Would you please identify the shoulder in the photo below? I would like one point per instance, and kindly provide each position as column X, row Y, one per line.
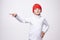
column 43, row 18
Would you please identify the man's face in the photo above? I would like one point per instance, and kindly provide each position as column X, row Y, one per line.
column 37, row 11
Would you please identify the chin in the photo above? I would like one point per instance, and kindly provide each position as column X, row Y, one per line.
column 37, row 14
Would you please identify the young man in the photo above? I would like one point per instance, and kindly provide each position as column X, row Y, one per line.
column 39, row 25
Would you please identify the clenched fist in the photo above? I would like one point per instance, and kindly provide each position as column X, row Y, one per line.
column 13, row 14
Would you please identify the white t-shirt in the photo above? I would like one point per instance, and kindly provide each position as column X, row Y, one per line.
column 38, row 24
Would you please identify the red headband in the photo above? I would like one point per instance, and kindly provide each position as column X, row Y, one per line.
column 36, row 6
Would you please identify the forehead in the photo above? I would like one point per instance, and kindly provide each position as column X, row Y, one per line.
column 36, row 9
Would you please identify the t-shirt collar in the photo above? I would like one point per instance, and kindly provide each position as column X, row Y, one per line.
column 38, row 16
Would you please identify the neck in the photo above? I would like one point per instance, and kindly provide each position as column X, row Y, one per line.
column 37, row 14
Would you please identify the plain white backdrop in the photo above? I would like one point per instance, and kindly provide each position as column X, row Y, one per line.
column 11, row 29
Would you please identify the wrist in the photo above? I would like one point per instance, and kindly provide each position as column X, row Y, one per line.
column 15, row 15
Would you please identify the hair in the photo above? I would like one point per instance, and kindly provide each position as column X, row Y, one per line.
column 36, row 6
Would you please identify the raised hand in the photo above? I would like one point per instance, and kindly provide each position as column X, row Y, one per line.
column 13, row 14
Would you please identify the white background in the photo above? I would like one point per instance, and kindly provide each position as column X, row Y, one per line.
column 11, row 29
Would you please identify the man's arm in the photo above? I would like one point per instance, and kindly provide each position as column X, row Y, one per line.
column 45, row 27
column 19, row 18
